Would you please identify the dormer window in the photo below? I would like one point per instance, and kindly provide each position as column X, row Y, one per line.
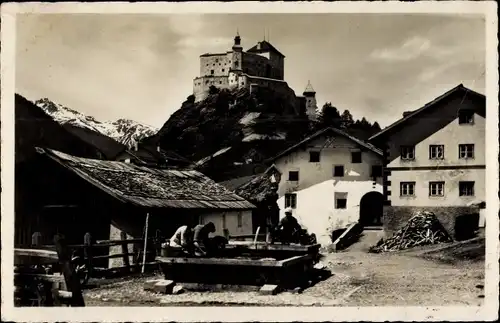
column 465, row 116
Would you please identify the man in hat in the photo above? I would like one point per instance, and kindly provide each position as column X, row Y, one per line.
column 288, row 226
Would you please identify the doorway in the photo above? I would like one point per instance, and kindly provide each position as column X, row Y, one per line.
column 371, row 208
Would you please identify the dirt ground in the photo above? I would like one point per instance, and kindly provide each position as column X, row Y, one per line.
column 359, row 279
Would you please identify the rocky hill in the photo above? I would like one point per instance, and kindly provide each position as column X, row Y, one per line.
column 124, row 131
column 234, row 128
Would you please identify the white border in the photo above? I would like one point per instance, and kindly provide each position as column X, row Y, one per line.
column 241, row 314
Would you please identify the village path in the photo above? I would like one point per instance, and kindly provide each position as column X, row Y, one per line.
column 402, row 280
column 359, row 279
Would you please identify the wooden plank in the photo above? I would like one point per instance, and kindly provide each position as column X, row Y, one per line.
column 72, row 280
column 294, row 260
column 220, row 261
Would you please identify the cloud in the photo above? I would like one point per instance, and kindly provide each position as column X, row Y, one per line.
column 411, row 49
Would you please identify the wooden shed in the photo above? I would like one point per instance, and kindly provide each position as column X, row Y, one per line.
column 60, row 193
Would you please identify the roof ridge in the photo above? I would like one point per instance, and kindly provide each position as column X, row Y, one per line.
column 426, row 105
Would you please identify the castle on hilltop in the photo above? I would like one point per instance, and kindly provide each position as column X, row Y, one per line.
column 260, row 66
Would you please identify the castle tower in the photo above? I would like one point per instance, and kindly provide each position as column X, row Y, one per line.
column 237, row 53
column 311, row 105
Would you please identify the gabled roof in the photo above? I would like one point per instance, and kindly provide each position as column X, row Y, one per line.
column 265, row 46
column 150, row 187
column 432, row 104
column 323, row 132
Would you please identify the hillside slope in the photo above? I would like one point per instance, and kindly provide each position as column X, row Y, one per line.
column 239, row 127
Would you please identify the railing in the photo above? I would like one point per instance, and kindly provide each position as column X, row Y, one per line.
column 94, row 252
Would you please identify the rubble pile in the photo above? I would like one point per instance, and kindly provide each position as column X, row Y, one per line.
column 422, row 229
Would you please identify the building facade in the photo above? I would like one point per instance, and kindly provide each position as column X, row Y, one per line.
column 260, row 66
column 435, row 156
column 330, row 180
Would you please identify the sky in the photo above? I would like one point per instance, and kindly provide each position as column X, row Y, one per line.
column 141, row 67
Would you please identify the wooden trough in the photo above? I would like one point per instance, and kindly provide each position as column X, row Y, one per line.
column 286, row 266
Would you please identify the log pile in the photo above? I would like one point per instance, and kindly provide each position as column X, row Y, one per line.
column 422, row 229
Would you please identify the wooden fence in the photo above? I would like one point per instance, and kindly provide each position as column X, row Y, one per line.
column 133, row 255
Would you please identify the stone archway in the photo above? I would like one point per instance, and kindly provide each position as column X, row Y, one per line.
column 371, row 208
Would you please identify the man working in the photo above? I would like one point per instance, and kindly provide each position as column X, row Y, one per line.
column 182, row 237
column 201, row 237
column 287, row 227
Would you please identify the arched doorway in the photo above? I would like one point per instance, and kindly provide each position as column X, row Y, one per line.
column 371, row 208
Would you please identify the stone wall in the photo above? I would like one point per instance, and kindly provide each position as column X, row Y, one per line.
column 397, row 216
column 215, row 64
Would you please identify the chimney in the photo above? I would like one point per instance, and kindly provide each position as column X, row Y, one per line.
column 407, row 113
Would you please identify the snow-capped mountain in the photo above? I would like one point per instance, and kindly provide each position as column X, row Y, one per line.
column 125, row 131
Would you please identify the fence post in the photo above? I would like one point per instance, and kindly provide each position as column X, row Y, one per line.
column 36, row 240
column 87, row 241
column 72, row 280
column 126, row 261
column 158, row 241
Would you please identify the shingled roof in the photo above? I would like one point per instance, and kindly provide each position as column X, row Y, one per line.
column 150, row 187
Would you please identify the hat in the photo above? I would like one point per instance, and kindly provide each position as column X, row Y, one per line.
column 288, row 210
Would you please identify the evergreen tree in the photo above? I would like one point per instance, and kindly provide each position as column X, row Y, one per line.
column 347, row 120
column 329, row 116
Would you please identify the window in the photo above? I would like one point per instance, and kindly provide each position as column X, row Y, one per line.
column 202, row 219
column 240, row 219
column 466, row 151
column 465, row 117
column 407, row 189
column 407, row 152
column 223, row 70
column 338, row 171
column 436, row 151
column 291, row 200
column 466, row 188
column 224, row 221
column 340, row 200
column 356, row 157
column 340, row 203
column 236, row 63
column 212, row 72
column 436, row 189
column 293, row 175
column 376, row 171
column 314, row 156
column 216, row 60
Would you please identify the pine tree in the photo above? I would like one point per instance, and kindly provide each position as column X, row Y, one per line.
column 329, row 116
column 347, row 120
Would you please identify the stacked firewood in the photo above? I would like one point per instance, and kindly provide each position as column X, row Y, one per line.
column 422, row 229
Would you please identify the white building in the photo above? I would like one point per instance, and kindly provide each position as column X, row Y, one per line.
column 331, row 179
